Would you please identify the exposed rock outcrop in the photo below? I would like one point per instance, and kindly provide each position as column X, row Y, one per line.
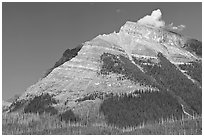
column 67, row 55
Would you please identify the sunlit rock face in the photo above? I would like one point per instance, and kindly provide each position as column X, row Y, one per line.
column 147, row 40
column 137, row 58
column 81, row 76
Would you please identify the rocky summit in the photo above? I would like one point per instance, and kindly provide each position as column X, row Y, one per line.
column 142, row 73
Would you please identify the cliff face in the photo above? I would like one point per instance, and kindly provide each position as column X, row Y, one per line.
column 150, row 60
column 67, row 55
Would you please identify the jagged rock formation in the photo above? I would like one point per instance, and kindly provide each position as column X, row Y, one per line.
column 141, row 58
column 67, row 55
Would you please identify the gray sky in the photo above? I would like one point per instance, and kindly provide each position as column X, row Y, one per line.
column 35, row 35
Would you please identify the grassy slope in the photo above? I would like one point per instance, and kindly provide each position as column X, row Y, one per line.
column 181, row 127
column 43, row 125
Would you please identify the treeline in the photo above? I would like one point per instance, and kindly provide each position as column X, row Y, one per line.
column 41, row 104
column 93, row 96
column 121, row 65
column 131, row 110
column 68, row 116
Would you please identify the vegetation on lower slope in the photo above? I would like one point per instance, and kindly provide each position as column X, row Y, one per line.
column 193, row 69
column 94, row 96
column 129, row 110
column 17, row 105
column 170, row 127
column 170, row 77
column 41, row 104
column 33, row 124
column 68, row 116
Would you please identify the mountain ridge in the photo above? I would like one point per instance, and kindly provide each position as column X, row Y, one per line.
column 140, row 61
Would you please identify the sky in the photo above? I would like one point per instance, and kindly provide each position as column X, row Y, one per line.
column 35, row 35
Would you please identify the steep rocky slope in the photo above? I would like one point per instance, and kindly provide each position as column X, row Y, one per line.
column 140, row 74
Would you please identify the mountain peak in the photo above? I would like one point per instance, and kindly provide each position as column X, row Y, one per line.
column 144, row 61
column 145, row 39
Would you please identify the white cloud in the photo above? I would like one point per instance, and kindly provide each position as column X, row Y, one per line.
column 178, row 28
column 154, row 19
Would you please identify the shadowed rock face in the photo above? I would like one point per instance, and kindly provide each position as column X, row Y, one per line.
column 194, row 45
column 138, row 57
column 67, row 55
